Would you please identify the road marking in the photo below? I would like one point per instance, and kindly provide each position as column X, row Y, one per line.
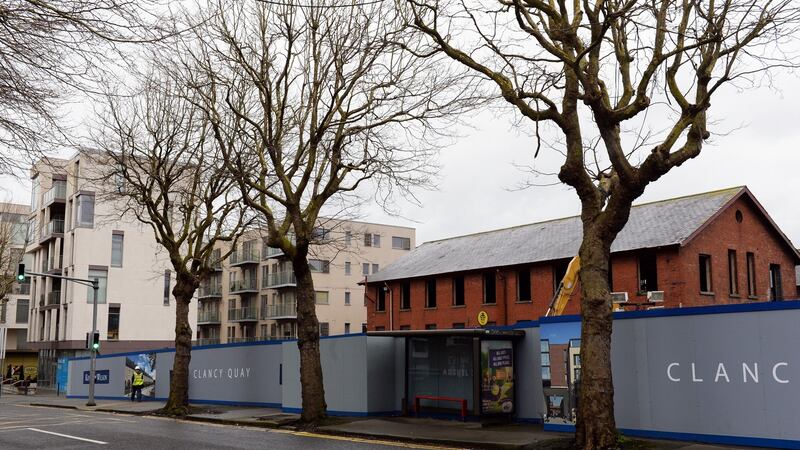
column 362, row 440
column 68, row 436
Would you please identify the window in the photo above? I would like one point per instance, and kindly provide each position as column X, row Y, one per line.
column 113, row 323
column 751, row 275
column 705, row 274
column 167, row 278
column 524, row 284
column 576, row 359
column 319, row 265
column 320, row 234
column 22, row 310
column 430, row 293
column 430, row 326
column 401, row 243
column 375, row 269
column 365, row 269
column 347, row 299
column 545, row 350
column 116, row 248
column 775, row 283
column 348, row 238
column 367, row 240
column 347, row 268
column 321, row 297
column 265, row 276
column 346, row 328
column 458, row 325
column 458, row 290
column 380, row 305
column 733, row 273
column 101, row 275
column 363, row 328
column 84, row 211
column 648, row 273
column 376, row 240
column 324, row 329
column 231, row 333
column 489, row 289
column 405, row 295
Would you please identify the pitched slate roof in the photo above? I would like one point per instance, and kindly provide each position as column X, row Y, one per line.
column 656, row 224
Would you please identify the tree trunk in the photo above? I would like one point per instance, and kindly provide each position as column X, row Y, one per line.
column 595, row 428
column 312, row 390
column 178, row 401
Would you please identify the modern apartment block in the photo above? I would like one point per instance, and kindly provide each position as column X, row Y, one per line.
column 76, row 231
column 252, row 295
column 20, row 360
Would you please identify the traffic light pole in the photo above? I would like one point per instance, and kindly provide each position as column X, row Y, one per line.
column 93, row 354
column 95, row 285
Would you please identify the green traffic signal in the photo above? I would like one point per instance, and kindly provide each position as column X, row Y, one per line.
column 21, row 272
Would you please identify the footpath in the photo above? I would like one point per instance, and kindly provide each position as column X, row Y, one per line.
column 419, row 430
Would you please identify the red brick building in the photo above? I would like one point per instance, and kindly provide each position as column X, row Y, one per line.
column 707, row 249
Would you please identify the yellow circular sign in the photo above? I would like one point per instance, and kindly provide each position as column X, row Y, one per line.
column 483, row 318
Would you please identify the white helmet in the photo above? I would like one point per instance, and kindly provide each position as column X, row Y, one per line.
column 137, row 368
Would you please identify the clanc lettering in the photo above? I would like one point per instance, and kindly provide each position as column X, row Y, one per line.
column 720, row 373
column 221, row 372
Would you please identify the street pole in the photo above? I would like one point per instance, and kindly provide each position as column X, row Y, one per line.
column 93, row 354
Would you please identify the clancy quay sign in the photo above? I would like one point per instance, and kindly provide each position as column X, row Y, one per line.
column 231, row 373
column 100, row 377
column 750, row 373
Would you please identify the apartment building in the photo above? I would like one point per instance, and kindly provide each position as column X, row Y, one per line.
column 76, row 231
column 20, row 360
column 251, row 296
column 712, row 248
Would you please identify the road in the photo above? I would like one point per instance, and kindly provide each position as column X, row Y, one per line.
column 23, row 426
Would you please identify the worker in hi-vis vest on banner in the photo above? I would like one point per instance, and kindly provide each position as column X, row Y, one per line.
column 137, row 383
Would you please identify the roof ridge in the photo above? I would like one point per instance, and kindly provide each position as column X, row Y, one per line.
column 716, row 191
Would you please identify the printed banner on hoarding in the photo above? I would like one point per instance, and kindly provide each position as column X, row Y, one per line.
column 100, row 376
column 497, row 377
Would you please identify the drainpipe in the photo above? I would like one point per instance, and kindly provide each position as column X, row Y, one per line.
column 505, row 297
column 391, row 306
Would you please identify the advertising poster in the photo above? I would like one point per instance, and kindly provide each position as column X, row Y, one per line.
column 497, row 377
column 146, row 362
column 561, row 370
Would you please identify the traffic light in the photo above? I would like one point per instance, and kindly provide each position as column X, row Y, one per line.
column 21, row 272
column 96, row 341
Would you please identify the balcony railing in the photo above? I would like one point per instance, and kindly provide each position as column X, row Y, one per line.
column 55, row 263
column 207, row 341
column 213, row 290
column 271, row 252
column 57, row 193
column 241, row 314
column 207, row 317
column 286, row 310
column 52, row 228
column 54, row 298
column 278, row 338
column 278, row 279
column 243, row 339
column 246, row 256
column 237, row 286
column 21, row 289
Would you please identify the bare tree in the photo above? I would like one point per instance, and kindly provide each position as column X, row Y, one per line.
column 50, row 49
column 168, row 174
column 588, row 69
column 309, row 103
column 12, row 245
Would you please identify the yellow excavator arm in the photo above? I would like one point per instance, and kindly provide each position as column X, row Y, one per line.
column 565, row 288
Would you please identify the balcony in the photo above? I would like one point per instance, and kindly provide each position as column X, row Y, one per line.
column 53, row 298
column 271, row 252
column 53, row 229
column 211, row 291
column 244, row 339
column 21, row 289
column 55, row 264
column 249, row 314
column 208, row 317
column 286, row 310
column 243, row 286
column 281, row 279
column 246, row 256
column 207, row 341
column 56, row 194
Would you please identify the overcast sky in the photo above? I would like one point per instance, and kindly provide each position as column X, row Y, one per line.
column 476, row 187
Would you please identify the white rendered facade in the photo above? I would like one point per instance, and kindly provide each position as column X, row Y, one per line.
column 252, row 296
column 72, row 230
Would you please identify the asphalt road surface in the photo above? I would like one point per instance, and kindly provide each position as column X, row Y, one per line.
column 23, row 426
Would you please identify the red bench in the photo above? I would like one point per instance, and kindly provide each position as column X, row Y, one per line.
column 462, row 401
